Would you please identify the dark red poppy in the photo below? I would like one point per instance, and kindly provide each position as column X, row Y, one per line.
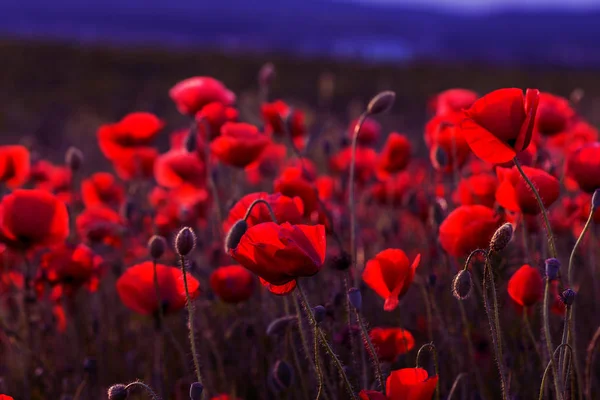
column 448, row 149
column 391, row 342
column 102, row 189
column 281, row 253
column 369, row 132
column 371, row 395
column 292, row 183
column 215, row 115
column 468, row 228
column 500, row 124
column 515, row 195
column 268, row 164
column 239, row 144
column 557, row 306
column 477, row 189
column 54, row 179
column 366, row 162
column 526, row 286
column 135, row 164
column 179, row 167
column 232, row 284
column 184, row 206
column 410, row 384
column 583, row 165
column 394, row 190
column 100, row 225
column 452, row 101
column 390, row 274
column 224, row 397
column 395, row 154
column 579, row 134
column 135, row 130
column 137, row 291
column 326, row 187
column 554, row 114
column 274, row 113
column 14, row 165
column 191, row 94
column 10, row 276
column 33, row 218
column 286, row 209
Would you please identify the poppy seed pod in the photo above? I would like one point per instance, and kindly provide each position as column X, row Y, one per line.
column 381, row 102
column 355, row 298
column 157, row 246
column 117, row 392
column 501, row 237
column 74, row 158
column 266, row 74
column 196, row 390
column 552, row 268
column 462, row 285
column 235, row 234
column 568, row 296
column 279, row 325
column 596, row 199
column 282, row 376
column 185, row 241
column 320, row 313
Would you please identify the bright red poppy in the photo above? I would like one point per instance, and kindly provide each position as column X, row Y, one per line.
column 281, row 253
column 55, row 179
column 583, row 165
column 135, row 164
column 371, row 395
column 5, row 397
column 554, row 114
column 286, row 209
column 395, row 154
column 369, row 132
column 500, row 124
column 477, row 189
column 391, row 342
column 390, row 274
column 239, row 144
column 526, row 286
column 14, row 165
column 579, row 134
column 410, row 384
column 232, row 284
column 100, row 225
column 515, row 195
column 274, row 113
column 178, row 167
column 215, row 115
column 452, row 101
column 102, row 189
column 135, row 130
column 137, row 291
column 292, row 183
column 468, row 228
column 192, row 94
column 33, row 218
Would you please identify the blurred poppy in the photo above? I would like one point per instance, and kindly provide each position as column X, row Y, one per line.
column 5, row 397
column 286, row 209
column 371, row 395
column 268, row 164
column 583, row 165
column 452, row 101
column 526, row 286
column 477, row 189
column 395, row 189
column 515, row 195
column 554, row 114
column 277, row 113
column 57, row 180
column 100, row 225
column 102, row 189
column 557, row 306
column 232, row 284
column 60, row 319
column 137, row 291
column 14, row 165
column 390, row 274
column 292, row 183
column 395, row 154
column 178, row 167
column 448, row 149
column 10, row 276
column 239, row 144
column 410, row 384
column 578, row 134
column 33, row 218
column 184, row 206
column 500, row 124
column 135, row 164
column 391, row 342
column 281, row 253
column 468, row 228
column 135, row 130
column 364, row 168
column 224, row 397
column 215, row 115
column 369, row 132
column 192, row 94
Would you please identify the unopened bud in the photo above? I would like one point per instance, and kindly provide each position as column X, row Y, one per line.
column 90, row 366
column 266, row 74
column 341, row 262
column 552, row 268
column 320, row 313
column 117, row 392
column 462, row 285
column 74, row 158
column 235, row 234
column 282, row 376
column 596, row 199
column 157, row 246
column 355, row 298
column 568, row 297
column 279, row 325
column 185, row 241
column 501, row 237
column 196, row 390
column 381, row 103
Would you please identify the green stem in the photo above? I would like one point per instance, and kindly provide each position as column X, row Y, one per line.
column 431, row 348
column 543, row 384
column 372, row 351
column 191, row 329
column 548, row 339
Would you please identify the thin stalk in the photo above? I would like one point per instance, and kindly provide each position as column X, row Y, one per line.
column 471, row 349
column 586, row 227
column 565, row 339
column 209, row 177
column 80, row 389
column 191, row 329
column 266, row 203
column 589, row 361
column 297, row 365
column 158, row 364
column 372, row 352
column 455, row 385
column 147, row 388
column 543, row 384
column 431, row 348
column 318, row 366
column 530, row 334
column 548, row 340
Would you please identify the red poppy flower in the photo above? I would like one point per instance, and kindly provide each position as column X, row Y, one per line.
column 10, row 276
column 54, row 179
column 557, row 306
column 239, row 144
column 136, row 288
column 452, row 101
column 268, row 164
column 369, row 132
column 191, row 94
column 273, row 113
column 526, row 286
column 391, row 342
column 184, row 206
column 390, row 274
column 468, row 228
column 14, row 165
column 448, row 149
column 554, row 114
column 292, row 183
column 102, row 189
column 395, row 154
column 135, row 164
column 33, row 218
column 178, row 167
column 100, row 225
column 500, row 124
column 135, row 130
column 232, row 284
column 515, row 195
column 583, row 165
column 224, row 397
column 281, row 253
column 5, row 397
column 366, row 161
column 393, row 190
column 286, row 209
column 326, row 187
column 71, row 267
column 371, row 395
column 410, row 384
column 279, row 290
column 579, row 133
column 477, row 189
column 215, row 114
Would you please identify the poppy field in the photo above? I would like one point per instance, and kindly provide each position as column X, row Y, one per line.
column 256, row 253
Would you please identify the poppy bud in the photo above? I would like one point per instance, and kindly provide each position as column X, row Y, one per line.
column 185, row 241
column 320, row 313
column 341, row 262
column 266, row 74
column 196, row 391
column 596, row 199
column 462, row 285
column 568, row 297
column 117, row 392
column 355, row 298
column 157, row 246
column 90, row 366
column 552, row 268
column 381, row 103
column 191, row 139
column 74, row 158
column 282, row 376
column 235, row 234
column 279, row 325
column 501, row 237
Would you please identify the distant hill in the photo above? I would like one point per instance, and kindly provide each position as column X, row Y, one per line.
column 317, row 27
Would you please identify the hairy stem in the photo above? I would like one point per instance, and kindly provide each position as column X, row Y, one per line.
column 191, row 329
column 548, row 367
column 548, row 340
column 431, row 348
column 369, row 344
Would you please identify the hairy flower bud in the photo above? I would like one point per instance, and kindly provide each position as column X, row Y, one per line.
column 355, row 298
column 185, row 241
column 381, row 102
column 117, row 392
column 282, row 376
column 157, row 246
column 196, row 390
column 501, row 237
column 568, row 297
column 235, row 234
column 320, row 313
column 552, row 268
column 279, row 325
column 341, row 262
column 462, row 284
